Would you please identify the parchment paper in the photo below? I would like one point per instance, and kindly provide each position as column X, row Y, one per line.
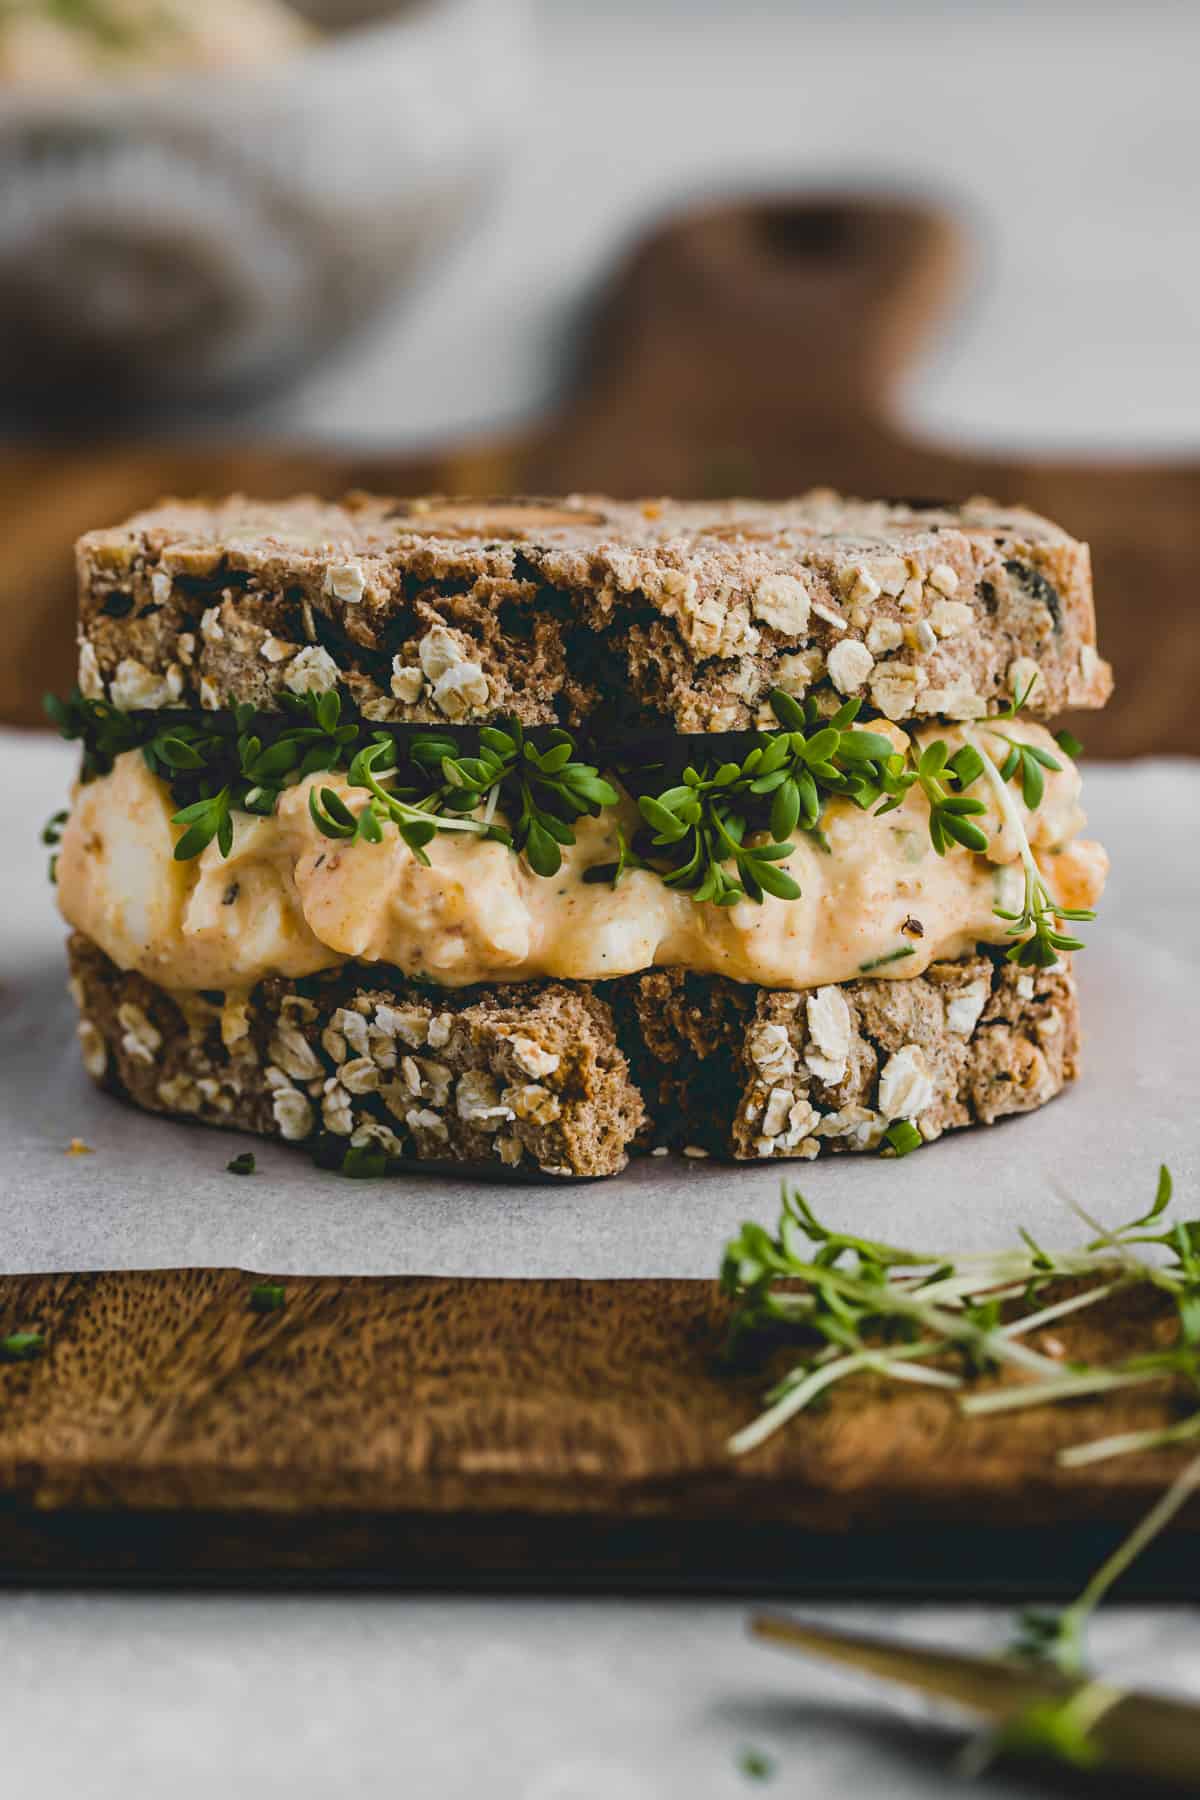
column 157, row 1194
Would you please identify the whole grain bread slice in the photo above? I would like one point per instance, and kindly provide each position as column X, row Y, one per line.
column 676, row 615
column 566, row 1079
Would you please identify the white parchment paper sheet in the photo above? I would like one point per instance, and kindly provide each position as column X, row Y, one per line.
column 156, row 1194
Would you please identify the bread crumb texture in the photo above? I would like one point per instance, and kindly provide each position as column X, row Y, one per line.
column 568, row 1080
column 686, row 614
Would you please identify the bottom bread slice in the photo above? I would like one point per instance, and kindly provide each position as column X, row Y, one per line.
column 567, row 1078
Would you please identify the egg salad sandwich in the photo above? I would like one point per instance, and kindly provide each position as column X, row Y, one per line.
column 529, row 834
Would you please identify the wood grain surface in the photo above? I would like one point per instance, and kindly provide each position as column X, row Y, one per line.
column 750, row 348
column 434, row 1428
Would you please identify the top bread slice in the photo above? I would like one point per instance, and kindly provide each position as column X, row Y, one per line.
column 673, row 615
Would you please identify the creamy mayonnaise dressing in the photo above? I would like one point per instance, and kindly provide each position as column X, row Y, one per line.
column 288, row 901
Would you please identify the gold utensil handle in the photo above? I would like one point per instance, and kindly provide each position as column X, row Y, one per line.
column 1145, row 1734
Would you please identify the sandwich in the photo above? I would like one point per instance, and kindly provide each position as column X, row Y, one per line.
column 531, row 834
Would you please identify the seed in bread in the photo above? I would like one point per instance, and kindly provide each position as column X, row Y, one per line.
column 569, row 1079
column 760, row 1074
column 436, row 611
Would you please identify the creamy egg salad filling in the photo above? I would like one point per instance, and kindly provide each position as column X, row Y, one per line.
column 288, row 900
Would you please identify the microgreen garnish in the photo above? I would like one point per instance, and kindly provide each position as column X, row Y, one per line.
column 943, row 780
column 360, row 1162
column 541, row 791
column 718, row 831
column 230, row 761
column 1039, row 940
column 864, row 1306
column 868, row 1305
column 1058, row 1637
column 239, row 761
column 1019, row 700
column 242, row 1164
column 696, row 833
column 21, row 1346
column 1027, row 761
column 267, row 1296
column 1060, row 1729
column 205, row 820
column 104, row 731
column 613, row 873
column 371, row 767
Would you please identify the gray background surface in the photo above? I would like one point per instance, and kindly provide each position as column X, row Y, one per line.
column 1062, row 130
column 1070, row 131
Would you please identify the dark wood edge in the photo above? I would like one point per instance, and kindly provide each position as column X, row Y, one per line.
column 519, row 1553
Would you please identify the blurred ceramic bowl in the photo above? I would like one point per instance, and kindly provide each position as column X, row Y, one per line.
column 189, row 236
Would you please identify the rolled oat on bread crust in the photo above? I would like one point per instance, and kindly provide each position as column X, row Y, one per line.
column 568, row 1079
column 461, row 611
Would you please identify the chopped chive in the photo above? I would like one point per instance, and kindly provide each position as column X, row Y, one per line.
column 242, row 1163
column 881, row 962
column 364, row 1162
column 903, row 1136
column 21, row 1346
column 267, row 1296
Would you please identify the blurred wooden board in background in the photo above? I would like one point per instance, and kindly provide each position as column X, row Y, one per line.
column 750, row 348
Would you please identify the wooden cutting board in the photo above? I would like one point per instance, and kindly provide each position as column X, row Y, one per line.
column 439, row 1431
column 750, row 348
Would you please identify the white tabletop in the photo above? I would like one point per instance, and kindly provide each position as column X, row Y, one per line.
column 116, row 1697
column 1071, row 135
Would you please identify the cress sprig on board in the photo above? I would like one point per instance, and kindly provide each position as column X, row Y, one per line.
column 914, row 1315
column 853, row 1305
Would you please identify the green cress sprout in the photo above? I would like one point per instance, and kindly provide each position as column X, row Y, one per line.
column 541, row 792
column 861, row 1306
column 718, row 831
column 917, row 1316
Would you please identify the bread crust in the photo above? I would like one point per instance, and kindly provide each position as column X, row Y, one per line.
column 691, row 612
column 566, row 1079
